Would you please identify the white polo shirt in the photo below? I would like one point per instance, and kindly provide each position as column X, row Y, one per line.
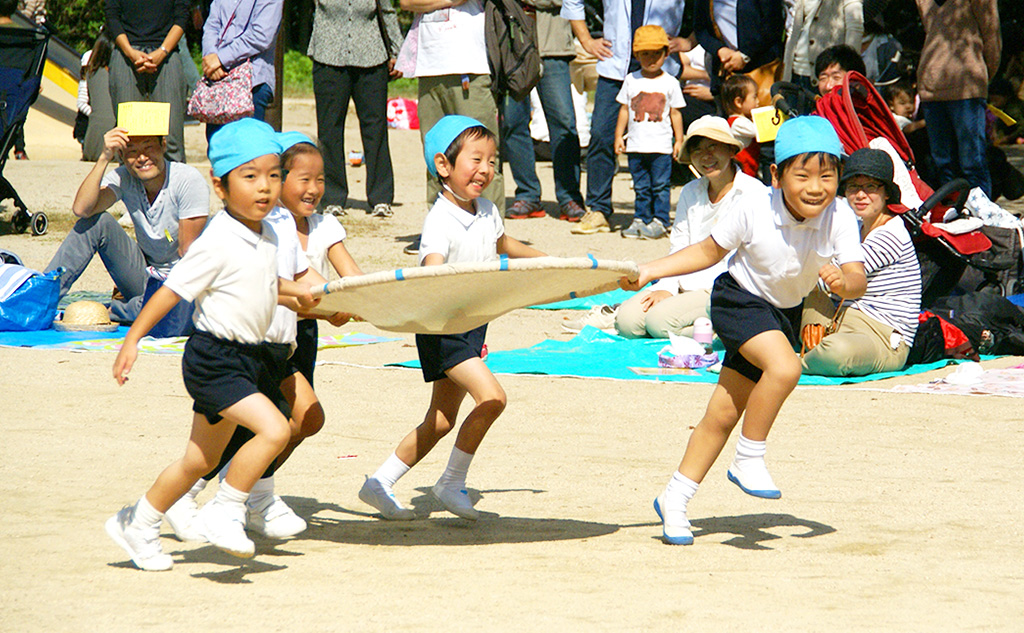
column 184, row 195
column 230, row 273
column 291, row 261
column 460, row 236
column 777, row 257
column 324, row 232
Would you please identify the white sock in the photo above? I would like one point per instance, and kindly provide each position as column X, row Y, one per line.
column 458, row 467
column 146, row 516
column 196, row 488
column 391, row 471
column 679, row 491
column 262, row 494
column 229, row 496
column 749, row 450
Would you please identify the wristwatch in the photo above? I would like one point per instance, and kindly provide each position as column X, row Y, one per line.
column 166, row 52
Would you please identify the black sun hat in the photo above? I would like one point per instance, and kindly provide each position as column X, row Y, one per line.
column 875, row 164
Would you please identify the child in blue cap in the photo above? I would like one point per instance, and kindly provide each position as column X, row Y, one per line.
column 461, row 227
column 783, row 247
column 231, row 273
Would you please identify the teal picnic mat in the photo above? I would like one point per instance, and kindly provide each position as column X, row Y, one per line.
column 610, row 298
column 595, row 354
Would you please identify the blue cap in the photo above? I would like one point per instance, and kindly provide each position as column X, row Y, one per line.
column 805, row 134
column 440, row 137
column 287, row 139
column 239, row 142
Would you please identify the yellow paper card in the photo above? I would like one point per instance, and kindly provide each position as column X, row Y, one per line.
column 1002, row 116
column 767, row 122
column 144, row 118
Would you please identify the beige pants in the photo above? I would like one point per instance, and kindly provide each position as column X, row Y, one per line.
column 861, row 346
column 443, row 95
column 674, row 315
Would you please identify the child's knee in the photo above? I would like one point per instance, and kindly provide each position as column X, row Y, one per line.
column 785, row 370
column 277, row 434
column 310, row 422
column 493, row 401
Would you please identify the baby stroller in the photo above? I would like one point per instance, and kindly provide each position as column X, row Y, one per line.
column 862, row 119
column 22, row 55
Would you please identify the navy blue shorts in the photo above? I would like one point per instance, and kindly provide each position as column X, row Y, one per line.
column 303, row 360
column 440, row 352
column 738, row 316
column 219, row 373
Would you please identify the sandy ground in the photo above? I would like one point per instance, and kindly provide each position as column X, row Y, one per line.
column 901, row 512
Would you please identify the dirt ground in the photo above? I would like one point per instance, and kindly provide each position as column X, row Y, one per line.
column 900, row 512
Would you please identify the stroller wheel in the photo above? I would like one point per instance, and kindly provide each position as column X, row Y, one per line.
column 39, row 223
column 20, row 221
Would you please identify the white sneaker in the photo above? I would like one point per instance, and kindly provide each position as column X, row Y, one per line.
column 224, row 527
column 181, row 517
column 602, row 317
column 676, row 528
column 753, row 479
column 456, row 501
column 374, row 493
column 143, row 546
column 276, row 520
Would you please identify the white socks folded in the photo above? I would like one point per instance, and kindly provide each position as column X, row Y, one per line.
column 749, row 450
column 391, row 471
column 454, row 475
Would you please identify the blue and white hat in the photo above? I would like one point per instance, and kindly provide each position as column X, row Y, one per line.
column 440, row 137
column 806, row 134
column 239, row 142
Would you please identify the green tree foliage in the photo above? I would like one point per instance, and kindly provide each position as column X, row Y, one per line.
column 77, row 22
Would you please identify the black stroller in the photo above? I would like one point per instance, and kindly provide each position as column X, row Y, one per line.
column 22, row 55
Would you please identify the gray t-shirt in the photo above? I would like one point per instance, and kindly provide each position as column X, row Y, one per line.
column 184, row 195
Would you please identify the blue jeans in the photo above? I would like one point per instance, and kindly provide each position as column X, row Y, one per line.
column 601, row 160
column 555, row 94
column 652, row 174
column 956, row 133
column 262, row 96
column 101, row 235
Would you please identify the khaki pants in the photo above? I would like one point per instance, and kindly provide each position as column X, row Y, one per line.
column 443, row 95
column 860, row 346
column 673, row 315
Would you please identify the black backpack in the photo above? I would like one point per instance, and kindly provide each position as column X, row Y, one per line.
column 512, row 51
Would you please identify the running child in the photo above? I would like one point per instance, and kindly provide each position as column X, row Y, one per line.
column 230, row 272
column 783, row 245
column 650, row 132
column 738, row 98
column 460, row 227
column 301, row 191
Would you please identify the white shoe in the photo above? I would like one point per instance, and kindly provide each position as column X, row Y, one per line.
column 181, row 517
column 224, row 527
column 374, row 493
column 753, row 479
column 143, row 546
column 676, row 528
column 456, row 501
column 276, row 520
column 602, row 317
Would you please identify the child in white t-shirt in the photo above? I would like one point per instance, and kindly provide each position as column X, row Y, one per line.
column 650, row 132
column 784, row 243
column 460, row 227
column 231, row 273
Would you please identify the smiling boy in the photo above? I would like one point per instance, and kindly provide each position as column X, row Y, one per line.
column 168, row 203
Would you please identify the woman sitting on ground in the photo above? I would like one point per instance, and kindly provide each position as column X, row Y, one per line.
column 876, row 331
column 671, row 305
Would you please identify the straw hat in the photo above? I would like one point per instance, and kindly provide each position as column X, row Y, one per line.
column 85, row 316
column 713, row 127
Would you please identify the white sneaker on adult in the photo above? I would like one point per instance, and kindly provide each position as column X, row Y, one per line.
column 276, row 520
column 224, row 527
column 181, row 517
column 143, row 546
column 456, row 501
column 376, row 494
column 676, row 528
column 752, row 477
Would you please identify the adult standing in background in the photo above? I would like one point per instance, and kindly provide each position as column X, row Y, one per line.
column 817, row 25
column 554, row 40
column 614, row 51
column 962, row 45
column 352, row 60
column 237, row 31
column 146, row 66
column 739, row 35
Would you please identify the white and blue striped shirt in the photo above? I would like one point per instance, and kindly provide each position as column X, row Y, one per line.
column 893, row 295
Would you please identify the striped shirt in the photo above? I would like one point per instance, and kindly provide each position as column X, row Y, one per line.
column 893, row 295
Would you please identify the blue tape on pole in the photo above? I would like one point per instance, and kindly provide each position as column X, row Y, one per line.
column 326, row 290
column 504, row 262
column 593, row 260
column 399, row 275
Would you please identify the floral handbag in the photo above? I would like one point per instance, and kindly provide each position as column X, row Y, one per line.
column 225, row 100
